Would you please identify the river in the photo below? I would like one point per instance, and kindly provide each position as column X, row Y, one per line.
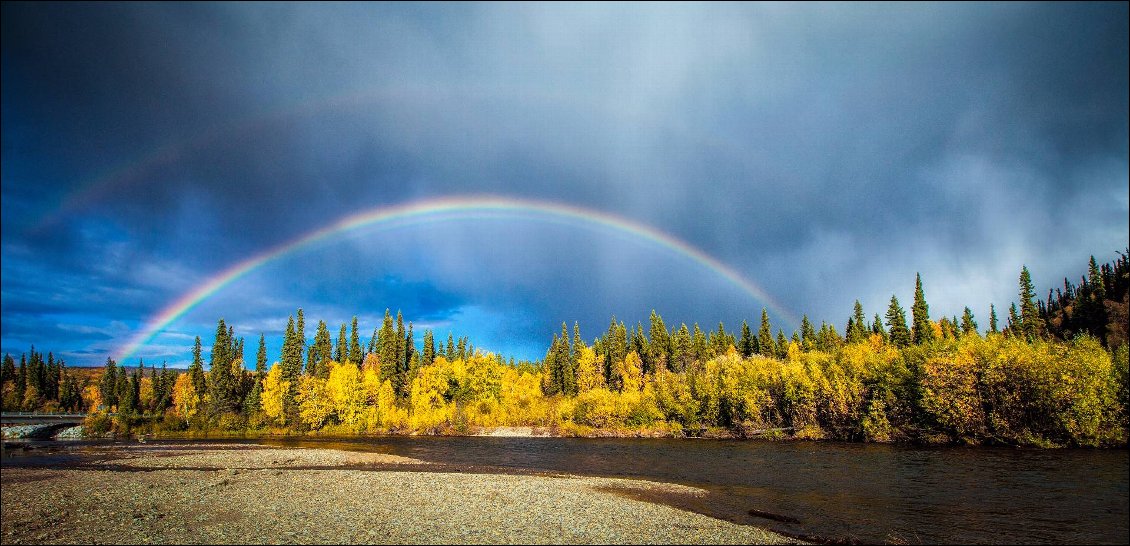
column 865, row 492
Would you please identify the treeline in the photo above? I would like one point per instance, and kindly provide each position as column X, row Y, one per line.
column 1054, row 374
column 39, row 384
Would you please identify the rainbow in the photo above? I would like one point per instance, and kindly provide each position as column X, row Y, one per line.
column 430, row 209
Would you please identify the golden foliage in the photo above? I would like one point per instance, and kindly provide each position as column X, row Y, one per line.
column 186, row 402
column 272, row 400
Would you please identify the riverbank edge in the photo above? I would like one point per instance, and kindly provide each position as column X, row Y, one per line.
column 157, row 463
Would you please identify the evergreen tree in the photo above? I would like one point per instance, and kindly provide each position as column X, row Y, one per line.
column 896, row 324
column 108, row 385
column 219, row 370
column 1031, row 323
column 701, row 346
column 401, row 352
column 406, row 366
column 386, row 345
column 552, row 379
column 578, row 345
column 765, row 336
column 857, row 327
column 290, row 362
column 807, row 334
column 782, row 345
column 615, row 346
column 639, row 342
column 659, row 342
column 1093, row 309
column 196, row 370
column 748, row 344
column 680, row 349
column 21, row 381
column 449, row 352
column 429, row 354
column 9, row 369
column 877, row 327
column 463, row 348
column 1013, row 321
column 320, row 352
column 993, row 319
column 300, row 335
column 341, row 350
column 126, row 404
column 261, row 358
column 828, row 339
column 968, row 325
column 922, row 329
column 355, row 355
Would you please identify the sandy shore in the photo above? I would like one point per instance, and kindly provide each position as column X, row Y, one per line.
column 254, row 494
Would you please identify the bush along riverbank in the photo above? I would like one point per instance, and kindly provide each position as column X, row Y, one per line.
column 972, row 390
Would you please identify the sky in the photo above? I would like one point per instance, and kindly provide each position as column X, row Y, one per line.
column 704, row 160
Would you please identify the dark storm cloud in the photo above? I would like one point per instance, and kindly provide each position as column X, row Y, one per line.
column 826, row 151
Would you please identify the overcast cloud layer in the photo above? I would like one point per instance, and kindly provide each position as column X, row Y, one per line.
column 826, row 152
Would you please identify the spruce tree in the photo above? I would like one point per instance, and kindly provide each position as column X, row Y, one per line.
column 782, row 345
column 701, row 346
column 922, row 329
column 429, row 354
column 857, row 331
column 807, row 334
column 896, row 324
column 1031, row 323
column 401, row 350
column 765, row 336
column 196, row 370
column 341, row 350
column 680, row 349
column 748, row 344
column 21, row 381
column 993, row 319
column 286, row 366
column 1013, row 321
column 578, row 345
column 386, row 345
column 406, row 366
column 219, row 369
column 355, row 355
column 108, row 386
column 300, row 337
column 659, row 342
column 968, row 325
column 1093, row 308
column 877, row 327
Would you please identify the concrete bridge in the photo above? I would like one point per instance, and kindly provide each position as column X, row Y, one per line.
column 37, row 425
column 32, row 418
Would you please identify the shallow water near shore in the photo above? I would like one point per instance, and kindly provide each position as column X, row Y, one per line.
column 871, row 493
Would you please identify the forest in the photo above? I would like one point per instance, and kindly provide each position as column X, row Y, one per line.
column 1053, row 374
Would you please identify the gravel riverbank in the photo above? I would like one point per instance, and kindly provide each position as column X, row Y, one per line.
column 251, row 494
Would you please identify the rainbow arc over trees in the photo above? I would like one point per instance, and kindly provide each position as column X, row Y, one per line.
column 439, row 209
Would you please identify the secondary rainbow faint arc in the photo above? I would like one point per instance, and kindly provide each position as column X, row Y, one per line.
column 441, row 206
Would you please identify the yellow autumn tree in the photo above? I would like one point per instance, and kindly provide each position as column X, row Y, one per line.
column 630, row 372
column 91, row 398
column 429, row 409
column 347, row 394
column 589, row 373
column 275, row 391
column 186, row 402
column 314, row 405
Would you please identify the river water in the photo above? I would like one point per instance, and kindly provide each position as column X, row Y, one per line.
column 864, row 492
